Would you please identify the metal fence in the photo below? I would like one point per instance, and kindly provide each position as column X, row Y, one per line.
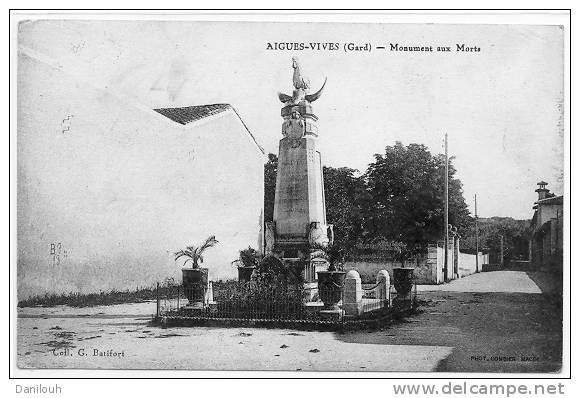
column 376, row 299
column 373, row 299
column 247, row 301
column 240, row 300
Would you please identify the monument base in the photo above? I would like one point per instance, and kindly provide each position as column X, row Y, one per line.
column 310, row 291
column 331, row 315
column 194, row 306
column 354, row 309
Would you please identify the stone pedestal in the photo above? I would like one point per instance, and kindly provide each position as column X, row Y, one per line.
column 299, row 200
column 352, row 296
column 331, row 315
column 384, row 286
column 205, row 302
column 299, row 207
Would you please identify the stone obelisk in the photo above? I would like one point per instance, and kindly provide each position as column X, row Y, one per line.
column 299, row 209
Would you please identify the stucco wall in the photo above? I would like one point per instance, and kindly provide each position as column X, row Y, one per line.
column 547, row 212
column 120, row 188
column 467, row 263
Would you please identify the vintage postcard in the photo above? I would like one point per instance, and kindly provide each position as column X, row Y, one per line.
column 302, row 195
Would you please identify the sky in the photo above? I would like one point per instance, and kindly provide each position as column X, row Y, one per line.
column 501, row 106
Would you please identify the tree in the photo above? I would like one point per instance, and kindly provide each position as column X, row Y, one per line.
column 515, row 235
column 400, row 198
column 270, row 171
column 406, row 186
column 346, row 198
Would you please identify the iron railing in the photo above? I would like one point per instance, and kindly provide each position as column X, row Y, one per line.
column 237, row 300
column 373, row 299
column 247, row 301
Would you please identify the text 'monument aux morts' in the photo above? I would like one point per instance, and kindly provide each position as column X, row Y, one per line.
column 368, row 47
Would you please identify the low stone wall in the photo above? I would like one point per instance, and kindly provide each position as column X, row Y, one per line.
column 491, row 267
column 368, row 270
column 428, row 269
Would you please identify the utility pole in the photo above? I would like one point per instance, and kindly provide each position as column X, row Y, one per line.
column 446, row 221
column 476, row 239
column 501, row 250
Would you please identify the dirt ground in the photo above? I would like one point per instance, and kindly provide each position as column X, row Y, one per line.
column 489, row 332
column 504, row 321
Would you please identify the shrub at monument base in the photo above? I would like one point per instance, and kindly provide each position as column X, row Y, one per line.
column 255, row 300
column 271, row 271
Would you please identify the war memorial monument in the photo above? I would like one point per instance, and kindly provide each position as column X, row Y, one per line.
column 299, row 227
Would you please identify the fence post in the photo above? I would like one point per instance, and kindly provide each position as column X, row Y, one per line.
column 352, row 302
column 158, row 302
column 343, row 311
column 383, row 286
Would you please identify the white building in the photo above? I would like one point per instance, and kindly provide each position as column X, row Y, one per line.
column 108, row 189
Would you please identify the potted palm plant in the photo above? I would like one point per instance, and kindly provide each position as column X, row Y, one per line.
column 246, row 263
column 195, row 278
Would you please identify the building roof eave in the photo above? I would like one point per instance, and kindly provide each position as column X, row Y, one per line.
column 553, row 199
column 194, row 115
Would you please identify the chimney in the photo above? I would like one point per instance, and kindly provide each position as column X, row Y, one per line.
column 542, row 190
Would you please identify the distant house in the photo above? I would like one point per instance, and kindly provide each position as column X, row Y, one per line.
column 546, row 229
column 109, row 189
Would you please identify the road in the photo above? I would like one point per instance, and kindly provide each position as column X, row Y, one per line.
column 503, row 321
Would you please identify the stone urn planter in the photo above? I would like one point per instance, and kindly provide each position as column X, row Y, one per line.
column 245, row 273
column 330, row 288
column 403, row 280
column 195, row 285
